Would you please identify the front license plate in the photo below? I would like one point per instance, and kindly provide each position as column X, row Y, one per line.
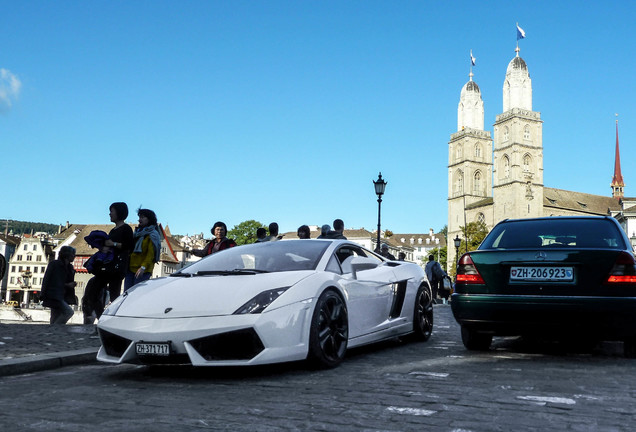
column 153, row 349
column 541, row 274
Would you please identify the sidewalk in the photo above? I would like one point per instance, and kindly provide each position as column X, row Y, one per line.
column 29, row 347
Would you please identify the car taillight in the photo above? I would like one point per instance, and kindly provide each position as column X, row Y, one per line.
column 624, row 270
column 467, row 272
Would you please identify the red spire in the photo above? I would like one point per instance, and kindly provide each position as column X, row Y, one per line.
column 617, row 180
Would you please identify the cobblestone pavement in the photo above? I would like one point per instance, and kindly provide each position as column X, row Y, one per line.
column 393, row 386
column 21, row 339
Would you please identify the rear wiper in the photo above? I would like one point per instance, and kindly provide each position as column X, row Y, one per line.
column 229, row 272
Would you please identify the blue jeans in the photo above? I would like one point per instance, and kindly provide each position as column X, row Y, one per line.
column 61, row 312
column 131, row 280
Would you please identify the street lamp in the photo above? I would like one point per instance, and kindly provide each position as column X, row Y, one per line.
column 458, row 243
column 26, row 275
column 379, row 185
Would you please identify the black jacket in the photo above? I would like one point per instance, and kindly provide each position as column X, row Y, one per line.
column 53, row 286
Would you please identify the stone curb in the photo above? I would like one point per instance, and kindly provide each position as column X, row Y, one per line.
column 42, row 362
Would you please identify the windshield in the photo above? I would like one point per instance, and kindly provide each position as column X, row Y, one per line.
column 555, row 233
column 277, row 256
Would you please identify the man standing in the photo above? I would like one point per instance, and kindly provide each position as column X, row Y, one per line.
column 58, row 285
column 273, row 232
column 385, row 252
column 435, row 275
column 338, row 229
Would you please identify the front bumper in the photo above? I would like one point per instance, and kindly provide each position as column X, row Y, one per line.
column 233, row 340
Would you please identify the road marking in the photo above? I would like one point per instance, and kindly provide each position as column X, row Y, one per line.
column 411, row 411
column 542, row 400
column 431, row 374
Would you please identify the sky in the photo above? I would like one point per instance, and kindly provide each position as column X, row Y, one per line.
column 287, row 111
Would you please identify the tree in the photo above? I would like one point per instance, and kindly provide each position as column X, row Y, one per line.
column 23, row 227
column 245, row 232
column 444, row 231
column 440, row 255
column 388, row 233
column 474, row 234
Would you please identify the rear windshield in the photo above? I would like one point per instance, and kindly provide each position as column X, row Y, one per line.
column 555, row 233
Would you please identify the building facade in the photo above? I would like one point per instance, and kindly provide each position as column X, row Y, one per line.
column 26, row 269
column 33, row 253
column 493, row 179
column 8, row 245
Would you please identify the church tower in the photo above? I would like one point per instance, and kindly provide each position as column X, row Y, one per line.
column 469, row 161
column 617, row 181
column 518, row 149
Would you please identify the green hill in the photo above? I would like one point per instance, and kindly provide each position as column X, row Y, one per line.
column 23, row 227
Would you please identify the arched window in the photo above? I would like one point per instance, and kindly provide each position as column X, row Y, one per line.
column 478, row 150
column 505, row 165
column 526, row 132
column 527, row 163
column 477, row 183
column 459, row 182
column 506, row 133
column 481, row 218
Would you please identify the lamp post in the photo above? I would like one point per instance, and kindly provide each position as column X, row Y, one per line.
column 379, row 185
column 26, row 275
column 457, row 241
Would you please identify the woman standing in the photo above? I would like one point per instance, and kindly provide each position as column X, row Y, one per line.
column 219, row 242
column 147, row 249
column 120, row 239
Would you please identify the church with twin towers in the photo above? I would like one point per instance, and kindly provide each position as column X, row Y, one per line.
column 499, row 175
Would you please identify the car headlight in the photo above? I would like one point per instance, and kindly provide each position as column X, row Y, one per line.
column 259, row 303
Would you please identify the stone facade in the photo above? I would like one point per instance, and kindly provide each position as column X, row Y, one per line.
column 514, row 162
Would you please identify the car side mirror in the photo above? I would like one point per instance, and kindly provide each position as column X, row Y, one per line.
column 359, row 264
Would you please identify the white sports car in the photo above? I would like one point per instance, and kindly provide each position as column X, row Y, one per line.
column 268, row 302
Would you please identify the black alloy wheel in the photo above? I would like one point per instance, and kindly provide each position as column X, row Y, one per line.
column 423, row 314
column 329, row 332
column 475, row 341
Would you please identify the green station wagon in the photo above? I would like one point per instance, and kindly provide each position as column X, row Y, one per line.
column 550, row 277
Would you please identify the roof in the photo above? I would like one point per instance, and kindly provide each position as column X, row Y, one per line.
column 471, row 86
column 517, row 63
column 481, row 203
column 83, row 249
column 348, row 233
column 631, row 209
column 579, row 202
column 397, row 239
column 10, row 240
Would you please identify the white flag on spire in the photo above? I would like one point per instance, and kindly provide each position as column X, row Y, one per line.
column 520, row 33
column 472, row 59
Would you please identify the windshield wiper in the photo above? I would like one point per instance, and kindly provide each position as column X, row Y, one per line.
column 181, row 275
column 229, row 272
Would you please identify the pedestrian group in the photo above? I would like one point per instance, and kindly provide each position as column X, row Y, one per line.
column 129, row 256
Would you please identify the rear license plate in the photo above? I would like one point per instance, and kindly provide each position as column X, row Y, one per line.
column 541, row 274
column 153, row 349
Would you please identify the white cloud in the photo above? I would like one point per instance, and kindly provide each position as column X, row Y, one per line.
column 10, row 86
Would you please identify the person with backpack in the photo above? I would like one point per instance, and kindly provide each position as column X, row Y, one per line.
column 435, row 275
column 58, row 286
